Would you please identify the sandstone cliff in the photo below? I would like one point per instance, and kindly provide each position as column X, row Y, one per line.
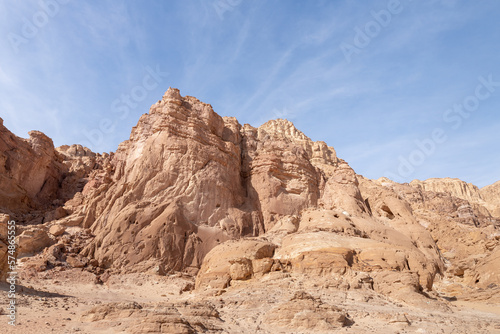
column 36, row 176
column 233, row 204
column 188, row 179
column 485, row 198
column 30, row 170
column 454, row 187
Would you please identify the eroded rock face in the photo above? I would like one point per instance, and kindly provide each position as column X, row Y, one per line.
column 235, row 260
column 36, row 176
column 304, row 312
column 192, row 191
column 454, row 187
column 491, row 195
column 175, row 188
column 466, row 233
column 201, row 179
column 484, row 200
column 181, row 318
column 30, row 170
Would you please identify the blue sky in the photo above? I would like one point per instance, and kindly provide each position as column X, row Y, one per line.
column 405, row 89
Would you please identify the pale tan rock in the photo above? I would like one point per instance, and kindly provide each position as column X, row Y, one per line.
column 454, row 187
column 485, row 200
column 175, row 318
column 400, row 319
column 234, row 260
column 33, row 240
column 71, row 220
column 57, row 230
column 304, row 312
column 323, row 253
column 240, row 269
column 486, row 272
column 491, row 195
column 76, row 261
column 225, row 179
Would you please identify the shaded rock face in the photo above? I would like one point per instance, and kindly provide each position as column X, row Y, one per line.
column 30, row 170
column 36, row 176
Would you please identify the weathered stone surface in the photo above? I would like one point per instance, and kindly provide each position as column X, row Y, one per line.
column 76, row 261
column 304, row 312
column 241, row 207
column 57, row 230
column 219, row 179
column 181, row 318
column 491, row 195
column 33, row 174
column 323, row 253
column 454, row 187
column 234, row 260
column 33, row 240
column 486, row 272
column 29, row 170
column 485, row 198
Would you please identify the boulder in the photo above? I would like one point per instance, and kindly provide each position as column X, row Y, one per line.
column 234, row 260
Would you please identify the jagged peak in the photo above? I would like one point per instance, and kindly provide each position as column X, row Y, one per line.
column 493, row 185
column 282, row 129
column 445, row 180
column 172, row 93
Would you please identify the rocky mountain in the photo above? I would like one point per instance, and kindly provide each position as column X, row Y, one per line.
column 233, row 206
column 454, row 187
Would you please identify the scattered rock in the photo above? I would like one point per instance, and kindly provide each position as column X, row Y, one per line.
column 32, row 240
column 57, row 230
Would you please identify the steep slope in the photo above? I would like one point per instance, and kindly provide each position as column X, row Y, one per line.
column 454, row 187
column 188, row 179
column 35, row 177
column 491, row 195
column 30, row 171
column 467, row 191
column 36, row 180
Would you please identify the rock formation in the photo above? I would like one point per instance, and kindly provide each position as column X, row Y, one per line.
column 490, row 195
column 485, row 198
column 30, row 170
column 188, row 179
column 454, row 187
column 238, row 206
column 35, row 176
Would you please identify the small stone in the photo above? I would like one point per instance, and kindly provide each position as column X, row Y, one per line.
column 57, row 230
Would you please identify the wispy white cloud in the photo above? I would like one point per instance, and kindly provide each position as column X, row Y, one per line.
column 264, row 60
